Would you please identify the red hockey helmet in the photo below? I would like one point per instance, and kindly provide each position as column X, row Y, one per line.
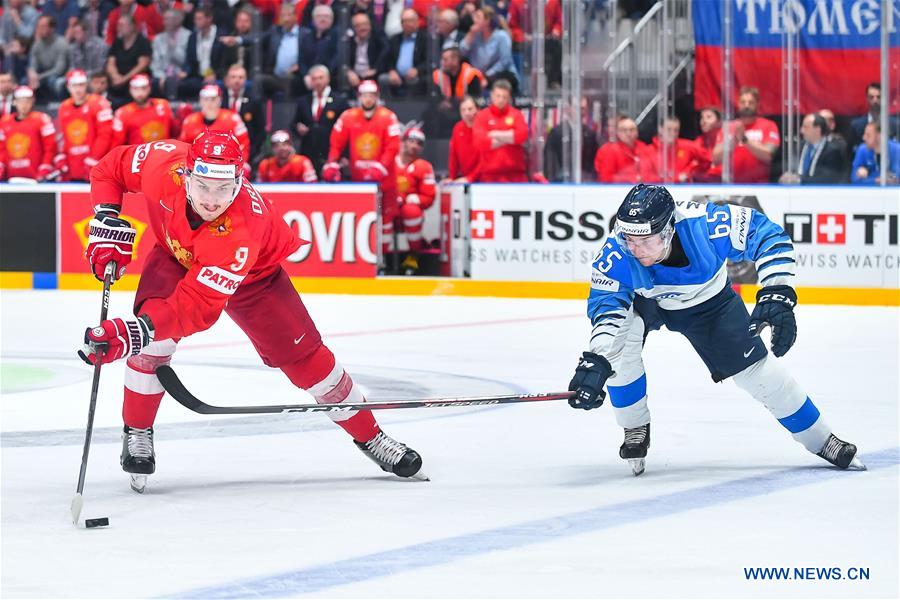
column 215, row 155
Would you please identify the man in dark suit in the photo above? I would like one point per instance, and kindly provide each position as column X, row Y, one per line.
column 315, row 116
column 858, row 125
column 404, row 65
column 821, row 160
column 234, row 98
column 281, row 56
column 366, row 48
column 319, row 44
column 203, row 56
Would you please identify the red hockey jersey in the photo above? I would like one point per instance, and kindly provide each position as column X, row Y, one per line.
column 374, row 143
column 297, row 168
column 86, row 135
column 227, row 120
column 133, row 124
column 416, row 179
column 26, row 145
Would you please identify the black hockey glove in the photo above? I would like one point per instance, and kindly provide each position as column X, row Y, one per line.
column 590, row 375
column 775, row 307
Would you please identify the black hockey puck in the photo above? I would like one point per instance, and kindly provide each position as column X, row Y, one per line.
column 101, row 522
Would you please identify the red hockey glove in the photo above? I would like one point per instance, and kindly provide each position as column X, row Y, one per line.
column 114, row 339
column 111, row 239
column 60, row 163
column 371, row 170
column 43, row 171
column 331, row 172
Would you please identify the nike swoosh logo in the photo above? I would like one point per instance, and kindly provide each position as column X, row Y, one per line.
column 746, row 354
column 299, row 339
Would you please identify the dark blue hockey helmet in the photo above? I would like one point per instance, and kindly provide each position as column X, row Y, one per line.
column 648, row 210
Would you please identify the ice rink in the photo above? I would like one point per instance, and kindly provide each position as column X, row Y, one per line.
column 525, row 501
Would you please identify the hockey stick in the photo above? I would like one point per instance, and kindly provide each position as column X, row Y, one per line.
column 78, row 500
column 176, row 389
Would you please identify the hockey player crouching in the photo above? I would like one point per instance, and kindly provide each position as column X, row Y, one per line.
column 218, row 248
column 665, row 265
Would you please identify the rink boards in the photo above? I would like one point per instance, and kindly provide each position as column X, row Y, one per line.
column 495, row 240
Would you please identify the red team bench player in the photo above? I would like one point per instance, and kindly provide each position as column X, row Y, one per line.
column 218, row 248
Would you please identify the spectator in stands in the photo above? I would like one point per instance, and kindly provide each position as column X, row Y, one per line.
column 820, row 159
column 405, row 62
column 94, row 15
column 839, row 141
column 169, row 52
column 145, row 119
column 867, row 163
column 47, row 60
column 18, row 22
column 464, row 158
column 14, row 58
column 319, row 45
column 285, row 165
column 448, row 28
column 27, row 140
column 669, row 158
column 63, row 13
column 316, row 114
column 710, row 125
column 873, row 100
column 489, row 47
column 376, row 9
column 130, row 55
column 86, row 52
column 366, row 48
column 552, row 37
column 202, row 56
column 147, row 20
column 553, row 149
column 620, row 161
column 500, row 133
column 7, row 87
column 455, row 78
column 215, row 118
column 392, row 25
column 239, row 44
column 754, row 140
column 250, row 111
column 281, row 61
column 416, row 191
column 99, row 84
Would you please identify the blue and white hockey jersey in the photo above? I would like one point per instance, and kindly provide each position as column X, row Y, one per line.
column 709, row 234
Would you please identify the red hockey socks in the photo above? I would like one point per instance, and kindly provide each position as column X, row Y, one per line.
column 143, row 391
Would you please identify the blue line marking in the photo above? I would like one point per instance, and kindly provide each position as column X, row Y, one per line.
column 318, row 578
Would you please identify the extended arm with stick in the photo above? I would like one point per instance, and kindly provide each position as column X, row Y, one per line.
column 78, row 500
column 177, row 390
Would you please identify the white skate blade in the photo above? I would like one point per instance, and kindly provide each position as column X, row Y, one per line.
column 420, row 476
column 856, row 465
column 637, row 465
column 138, row 483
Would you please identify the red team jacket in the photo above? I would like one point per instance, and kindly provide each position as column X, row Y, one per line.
column 227, row 120
column 135, row 125
column 416, row 178
column 26, row 145
column 297, row 168
column 374, row 140
column 86, row 134
column 684, row 161
column 247, row 242
column 464, row 158
column 617, row 163
column 505, row 164
column 746, row 168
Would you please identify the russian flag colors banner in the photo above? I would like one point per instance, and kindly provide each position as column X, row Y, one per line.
column 838, row 45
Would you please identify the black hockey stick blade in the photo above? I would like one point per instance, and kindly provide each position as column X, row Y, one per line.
column 169, row 380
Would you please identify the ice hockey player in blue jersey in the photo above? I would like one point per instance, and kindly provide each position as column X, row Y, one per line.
column 665, row 265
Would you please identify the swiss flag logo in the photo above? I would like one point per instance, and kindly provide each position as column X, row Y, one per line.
column 831, row 228
column 482, row 224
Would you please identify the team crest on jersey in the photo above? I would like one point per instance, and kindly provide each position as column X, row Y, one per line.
column 152, row 131
column 17, row 145
column 181, row 254
column 509, row 121
column 221, row 226
column 77, row 131
column 402, row 184
column 176, row 172
column 367, row 146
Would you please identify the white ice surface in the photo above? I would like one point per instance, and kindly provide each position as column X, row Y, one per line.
column 525, row 500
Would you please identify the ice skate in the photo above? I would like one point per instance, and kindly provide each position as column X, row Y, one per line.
column 393, row 456
column 841, row 454
column 138, row 458
column 634, row 448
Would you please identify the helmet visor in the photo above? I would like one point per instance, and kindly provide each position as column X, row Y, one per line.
column 652, row 247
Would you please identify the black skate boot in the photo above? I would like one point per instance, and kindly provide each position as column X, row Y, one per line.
column 393, row 456
column 634, row 448
column 841, row 454
column 138, row 458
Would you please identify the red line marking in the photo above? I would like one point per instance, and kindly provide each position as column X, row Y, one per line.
column 403, row 329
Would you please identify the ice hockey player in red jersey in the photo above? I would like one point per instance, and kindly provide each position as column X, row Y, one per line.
column 285, row 165
column 144, row 120
column 218, row 249
column 85, row 121
column 27, row 140
column 415, row 193
column 215, row 118
column 373, row 133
